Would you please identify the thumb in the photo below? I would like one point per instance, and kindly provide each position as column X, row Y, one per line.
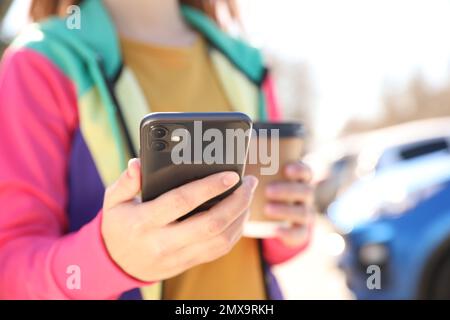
column 126, row 187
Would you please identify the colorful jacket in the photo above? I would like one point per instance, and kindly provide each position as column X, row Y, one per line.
column 65, row 100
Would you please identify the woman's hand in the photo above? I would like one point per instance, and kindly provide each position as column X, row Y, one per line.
column 292, row 201
column 147, row 242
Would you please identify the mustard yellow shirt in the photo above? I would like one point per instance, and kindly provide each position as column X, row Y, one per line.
column 176, row 79
column 183, row 80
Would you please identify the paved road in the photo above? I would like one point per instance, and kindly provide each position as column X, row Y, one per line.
column 313, row 274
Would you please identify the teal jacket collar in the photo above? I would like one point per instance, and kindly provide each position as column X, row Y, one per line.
column 99, row 33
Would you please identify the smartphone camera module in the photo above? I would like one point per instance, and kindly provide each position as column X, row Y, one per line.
column 158, row 146
column 158, row 132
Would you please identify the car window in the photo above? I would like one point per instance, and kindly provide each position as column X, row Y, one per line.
column 424, row 148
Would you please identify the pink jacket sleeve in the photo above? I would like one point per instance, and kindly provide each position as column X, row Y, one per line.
column 38, row 112
column 274, row 250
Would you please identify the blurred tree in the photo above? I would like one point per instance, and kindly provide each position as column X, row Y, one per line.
column 416, row 101
column 4, row 6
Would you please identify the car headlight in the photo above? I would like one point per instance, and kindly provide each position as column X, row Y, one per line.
column 373, row 254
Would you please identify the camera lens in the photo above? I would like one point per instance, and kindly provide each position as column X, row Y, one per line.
column 158, row 145
column 159, row 132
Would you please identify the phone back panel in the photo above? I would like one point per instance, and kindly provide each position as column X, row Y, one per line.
column 159, row 172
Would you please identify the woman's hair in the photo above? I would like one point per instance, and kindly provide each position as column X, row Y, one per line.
column 41, row 9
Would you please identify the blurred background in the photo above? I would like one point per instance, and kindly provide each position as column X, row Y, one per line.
column 371, row 81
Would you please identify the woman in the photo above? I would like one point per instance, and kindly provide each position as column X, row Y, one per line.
column 66, row 97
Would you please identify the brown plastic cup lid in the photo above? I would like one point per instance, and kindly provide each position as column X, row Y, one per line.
column 286, row 129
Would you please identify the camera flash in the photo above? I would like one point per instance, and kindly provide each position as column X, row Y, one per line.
column 175, row 139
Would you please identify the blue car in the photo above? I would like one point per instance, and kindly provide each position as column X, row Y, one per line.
column 396, row 222
column 412, row 251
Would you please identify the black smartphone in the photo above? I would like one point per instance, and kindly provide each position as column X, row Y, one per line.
column 177, row 148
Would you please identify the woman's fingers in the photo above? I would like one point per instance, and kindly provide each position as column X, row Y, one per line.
column 295, row 213
column 207, row 250
column 178, row 202
column 211, row 223
column 298, row 171
column 291, row 201
column 290, row 192
column 126, row 187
